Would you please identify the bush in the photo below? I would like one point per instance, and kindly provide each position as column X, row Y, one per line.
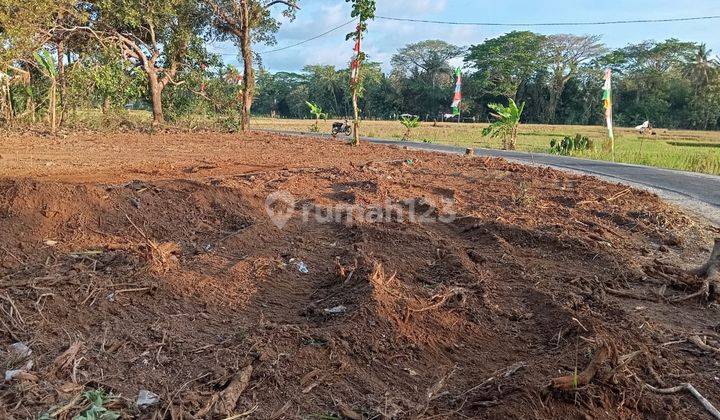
column 568, row 145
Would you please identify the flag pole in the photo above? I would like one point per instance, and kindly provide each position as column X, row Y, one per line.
column 608, row 105
column 457, row 97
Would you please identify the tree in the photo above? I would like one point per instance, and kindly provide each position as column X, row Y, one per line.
column 274, row 92
column 26, row 27
column 327, row 87
column 364, row 10
column 424, row 74
column 157, row 36
column 379, row 99
column 504, row 63
column 245, row 21
column 565, row 54
column 703, row 68
column 650, row 83
column 506, row 125
column 428, row 58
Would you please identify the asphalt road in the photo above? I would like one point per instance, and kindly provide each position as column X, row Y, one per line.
column 698, row 193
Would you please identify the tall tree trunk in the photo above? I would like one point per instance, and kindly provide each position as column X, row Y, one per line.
column 156, row 98
column 248, row 73
column 6, row 101
column 106, row 105
column 30, row 107
column 62, row 80
column 555, row 94
column 356, row 116
column 355, row 87
column 53, row 105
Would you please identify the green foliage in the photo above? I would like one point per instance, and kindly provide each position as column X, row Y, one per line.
column 423, row 76
column 46, row 63
column 506, row 124
column 505, row 62
column 95, row 400
column 409, row 122
column 24, row 25
column 97, row 411
column 364, row 10
column 672, row 83
column 568, row 145
column 316, row 111
column 102, row 80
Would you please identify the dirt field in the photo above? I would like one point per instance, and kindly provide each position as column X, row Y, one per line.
column 137, row 262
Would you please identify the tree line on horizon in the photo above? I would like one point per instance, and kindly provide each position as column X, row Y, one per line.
column 119, row 54
column 671, row 83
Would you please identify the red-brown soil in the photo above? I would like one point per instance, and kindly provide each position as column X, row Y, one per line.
column 153, row 260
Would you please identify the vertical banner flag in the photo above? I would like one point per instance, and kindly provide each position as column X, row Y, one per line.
column 607, row 103
column 355, row 66
column 458, row 92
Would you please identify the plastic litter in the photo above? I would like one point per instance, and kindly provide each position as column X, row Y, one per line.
column 12, row 373
column 337, row 310
column 19, row 350
column 302, row 267
column 147, row 398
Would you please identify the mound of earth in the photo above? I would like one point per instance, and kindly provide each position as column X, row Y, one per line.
column 388, row 284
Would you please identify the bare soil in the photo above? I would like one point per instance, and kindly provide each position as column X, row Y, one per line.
column 134, row 262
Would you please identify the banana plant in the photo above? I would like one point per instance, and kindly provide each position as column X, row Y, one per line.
column 317, row 111
column 49, row 68
column 409, row 122
column 506, row 125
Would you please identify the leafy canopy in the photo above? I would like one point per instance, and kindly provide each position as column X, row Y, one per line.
column 503, row 63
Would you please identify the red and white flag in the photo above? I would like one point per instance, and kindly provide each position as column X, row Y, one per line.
column 355, row 66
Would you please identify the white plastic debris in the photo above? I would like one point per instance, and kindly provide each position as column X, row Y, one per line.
column 302, row 267
column 12, row 373
column 337, row 310
column 146, row 398
column 19, row 350
column 50, row 242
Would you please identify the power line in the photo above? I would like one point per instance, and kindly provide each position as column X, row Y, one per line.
column 440, row 22
column 309, row 39
column 613, row 22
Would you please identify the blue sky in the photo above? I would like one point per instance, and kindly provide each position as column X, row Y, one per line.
column 385, row 37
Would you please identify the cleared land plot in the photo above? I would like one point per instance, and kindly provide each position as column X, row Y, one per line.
column 137, row 262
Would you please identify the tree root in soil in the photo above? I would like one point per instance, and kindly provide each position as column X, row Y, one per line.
column 694, row 392
column 572, row 382
column 703, row 345
column 710, row 272
column 161, row 255
column 440, row 299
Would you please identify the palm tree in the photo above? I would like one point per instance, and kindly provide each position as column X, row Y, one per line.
column 703, row 68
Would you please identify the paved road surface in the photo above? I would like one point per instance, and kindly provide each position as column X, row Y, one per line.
column 698, row 193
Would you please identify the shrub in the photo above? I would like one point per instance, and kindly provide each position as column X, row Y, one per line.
column 568, row 145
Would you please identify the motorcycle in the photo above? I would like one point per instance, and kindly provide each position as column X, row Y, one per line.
column 339, row 127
